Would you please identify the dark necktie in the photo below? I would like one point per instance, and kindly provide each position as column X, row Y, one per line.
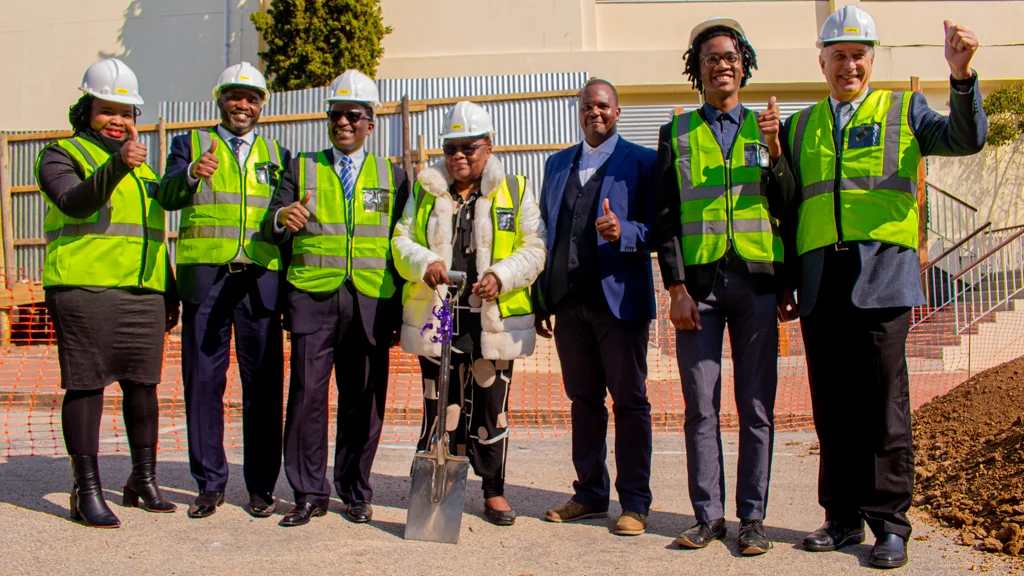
column 236, row 146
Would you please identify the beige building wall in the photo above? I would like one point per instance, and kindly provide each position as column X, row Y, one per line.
column 992, row 182
column 176, row 47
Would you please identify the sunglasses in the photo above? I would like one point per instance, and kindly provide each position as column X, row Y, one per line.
column 466, row 149
column 354, row 116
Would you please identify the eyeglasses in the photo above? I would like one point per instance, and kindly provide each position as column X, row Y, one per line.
column 466, row 149
column 354, row 116
column 712, row 60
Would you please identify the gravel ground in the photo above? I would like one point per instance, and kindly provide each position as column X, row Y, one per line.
column 38, row 538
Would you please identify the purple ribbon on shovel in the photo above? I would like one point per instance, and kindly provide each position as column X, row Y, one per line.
column 446, row 327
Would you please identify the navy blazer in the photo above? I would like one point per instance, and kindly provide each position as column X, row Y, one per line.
column 624, row 265
column 174, row 193
column 890, row 275
column 305, row 311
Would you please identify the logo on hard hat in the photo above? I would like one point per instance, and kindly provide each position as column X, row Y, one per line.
column 851, row 30
column 456, row 126
column 120, row 91
column 343, row 92
column 245, row 78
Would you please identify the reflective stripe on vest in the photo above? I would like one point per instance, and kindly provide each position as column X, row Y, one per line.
column 234, row 200
column 119, row 245
column 873, row 195
column 327, row 250
column 505, row 224
column 723, row 202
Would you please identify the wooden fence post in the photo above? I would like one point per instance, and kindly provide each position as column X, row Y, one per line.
column 6, row 221
column 406, row 139
column 161, row 146
column 922, row 205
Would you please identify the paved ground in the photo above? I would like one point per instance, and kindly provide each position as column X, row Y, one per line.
column 38, row 539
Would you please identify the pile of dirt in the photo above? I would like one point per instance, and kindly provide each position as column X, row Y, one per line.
column 969, row 448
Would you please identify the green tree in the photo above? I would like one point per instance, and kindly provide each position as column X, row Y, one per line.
column 1005, row 110
column 310, row 42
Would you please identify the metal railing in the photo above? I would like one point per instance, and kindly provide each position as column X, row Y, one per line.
column 937, row 276
column 983, row 286
column 949, row 218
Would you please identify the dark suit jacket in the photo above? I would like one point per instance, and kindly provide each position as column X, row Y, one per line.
column 174, row 193
column 305, row 311
column 625, row 265
column 890, row 275
column 667, row 229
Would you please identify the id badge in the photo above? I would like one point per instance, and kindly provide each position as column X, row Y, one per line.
column 755, row 155
column 864, row 136
column 262, row 175
column 506, row 219
column 375, row 200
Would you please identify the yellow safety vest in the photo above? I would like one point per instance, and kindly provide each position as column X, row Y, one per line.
column 867, row 191
column 505, row 223
column 121, row 245
column 340, row 240
column 723, row 201
column 228, row 209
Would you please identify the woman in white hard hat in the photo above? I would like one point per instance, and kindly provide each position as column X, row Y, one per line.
column 467, row 214
column 106, row 275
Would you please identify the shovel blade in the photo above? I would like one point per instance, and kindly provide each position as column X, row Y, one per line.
column 436, row 521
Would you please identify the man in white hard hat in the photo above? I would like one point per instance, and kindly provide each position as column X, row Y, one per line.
column 596, row 201
column 336, row 209
column 222, row 180
column 467, row 214
column 855, row 155
column 724, row 183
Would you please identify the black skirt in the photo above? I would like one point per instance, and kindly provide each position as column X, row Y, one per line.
column 106, row 336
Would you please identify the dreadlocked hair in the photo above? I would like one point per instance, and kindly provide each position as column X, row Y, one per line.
column 80, row 113
column 692, row 56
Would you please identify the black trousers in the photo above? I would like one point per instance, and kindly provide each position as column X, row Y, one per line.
column 477, row 413
column 599, row 354
column 856, row 362
column 233, row 305
column 361, row 371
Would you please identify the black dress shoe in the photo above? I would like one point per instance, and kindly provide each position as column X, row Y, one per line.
column 500, row 517
column 206, row 504
column 261, row 505
column 301, row 513
column 702, row 534
column 834, row 535
column 753, row 538
column 890, row 551
column 359, row 512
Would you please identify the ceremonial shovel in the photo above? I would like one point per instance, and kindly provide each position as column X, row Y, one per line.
column 438, row 493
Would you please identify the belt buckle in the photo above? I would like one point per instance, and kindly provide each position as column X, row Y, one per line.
column 236, row 267
column 841, row 247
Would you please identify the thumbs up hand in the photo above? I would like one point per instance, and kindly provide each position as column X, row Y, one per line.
column 608, row 225
column 770, row 123
column 133, row 152
column 961, row 44
column 294, row 215
column 206, row 166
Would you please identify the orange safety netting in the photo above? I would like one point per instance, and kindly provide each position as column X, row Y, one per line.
column 940, row 356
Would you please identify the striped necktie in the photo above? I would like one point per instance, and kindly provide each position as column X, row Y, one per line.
column 348, row 176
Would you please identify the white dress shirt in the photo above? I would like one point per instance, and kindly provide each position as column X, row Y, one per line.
column 593, row 158
column 852, row 109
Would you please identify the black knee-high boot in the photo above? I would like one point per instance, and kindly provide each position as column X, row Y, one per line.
column 141, row 417
column 80, row 420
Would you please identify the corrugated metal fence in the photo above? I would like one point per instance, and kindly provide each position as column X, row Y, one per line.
column 534, row 116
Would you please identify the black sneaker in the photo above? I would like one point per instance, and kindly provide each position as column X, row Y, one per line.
column 753, row 538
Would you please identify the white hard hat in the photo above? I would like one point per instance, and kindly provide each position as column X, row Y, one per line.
column 715, row 21
column 848, row 24
column 353, row 86
column 113, row 81
column 243, row 74
column 466, row 120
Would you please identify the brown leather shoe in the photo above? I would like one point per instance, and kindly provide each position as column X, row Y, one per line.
column 630, row 524
column 572, row 511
